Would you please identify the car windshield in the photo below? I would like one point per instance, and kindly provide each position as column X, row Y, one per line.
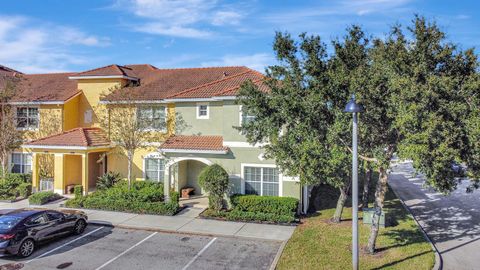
column 7, row 222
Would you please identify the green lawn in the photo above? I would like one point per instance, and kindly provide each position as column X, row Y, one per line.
column 320, row 244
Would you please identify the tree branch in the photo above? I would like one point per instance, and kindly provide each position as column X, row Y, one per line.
column 359, row 155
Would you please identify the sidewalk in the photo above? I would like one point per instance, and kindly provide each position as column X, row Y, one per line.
column 187, row 221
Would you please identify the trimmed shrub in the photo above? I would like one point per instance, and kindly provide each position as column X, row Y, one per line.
column 108, row 180
column 265, row 204
column 43, row 197
column 214, row 179
column 10, row 186
column 144, row 197
column 78, row 191
column 24, row 190
column 175, row 196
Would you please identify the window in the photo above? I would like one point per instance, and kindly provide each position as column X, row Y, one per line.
column 261, row 181
column 21, row 163
column 202, row 111
column 54, row 215
column 37, row 220
column 27, row 118
column 154, row 169
column 7, row 222
column 152, row 118
column 245, row 117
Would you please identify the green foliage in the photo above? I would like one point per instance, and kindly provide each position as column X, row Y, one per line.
column 143, row 197
column 14, row 185
column 258, row 208
column 24, row 190
column 43, row 197
column 214, row 179
column 265, row 204
column 174, row 196
column 108, row 180
column 78, row 191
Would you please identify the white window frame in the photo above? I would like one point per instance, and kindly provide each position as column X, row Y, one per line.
column 240, row 119
column 164, row 128
column 11, row 164
column 27, row 127
column 155, row 155
column 242, row 175
column 199, row 104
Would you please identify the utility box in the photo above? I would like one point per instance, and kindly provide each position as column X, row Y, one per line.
column 368, row 216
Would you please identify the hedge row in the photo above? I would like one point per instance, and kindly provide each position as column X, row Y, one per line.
column 236, row 215
column 143, row 197
column 265, row 204
column 43, row 197
column 15, row 185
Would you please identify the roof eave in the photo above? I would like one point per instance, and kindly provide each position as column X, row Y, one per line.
column 194, row 151
column 103, row 77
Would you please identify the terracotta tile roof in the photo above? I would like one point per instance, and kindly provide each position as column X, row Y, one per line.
column 230, row 84
column 164, row 83
column 80, row 137
column 45, row 87
column 194, row 142
column 110, row 70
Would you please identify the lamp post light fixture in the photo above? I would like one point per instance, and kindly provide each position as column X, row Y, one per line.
column 353, row 107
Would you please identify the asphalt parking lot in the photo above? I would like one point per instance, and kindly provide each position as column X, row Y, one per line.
column 113, row 248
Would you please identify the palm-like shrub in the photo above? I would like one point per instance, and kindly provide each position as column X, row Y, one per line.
column 108, row 180
column 214, row 179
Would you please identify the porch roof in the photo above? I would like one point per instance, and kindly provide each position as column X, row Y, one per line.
column 78, row 138
column 194, row 144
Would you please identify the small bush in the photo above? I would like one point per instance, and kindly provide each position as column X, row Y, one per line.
column 236, row 215
column 43, row 197
column 175, row 196
column 78, row 191
column 108, row 180
column 24, row 190
column 214, row 179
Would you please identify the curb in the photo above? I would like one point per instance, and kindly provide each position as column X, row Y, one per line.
column 438, row 257
column 273, row 266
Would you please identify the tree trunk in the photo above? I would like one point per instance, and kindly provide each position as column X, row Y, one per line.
column 380, row 192
column 129, row 173
column 366, row 186
column 337, row 217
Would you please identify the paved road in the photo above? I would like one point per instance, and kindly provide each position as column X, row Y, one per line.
column 118, row 249
column 452, row 222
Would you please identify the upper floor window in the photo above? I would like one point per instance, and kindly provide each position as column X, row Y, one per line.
column 245, row 117
column 27, row 118
column 152, row 117
column 202, row 111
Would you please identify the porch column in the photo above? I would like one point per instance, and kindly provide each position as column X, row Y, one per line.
column 166, row 184
column 35, row 175
column 58, row 174
column 85, row 173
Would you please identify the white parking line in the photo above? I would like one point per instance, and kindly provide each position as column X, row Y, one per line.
column 119, row 255
column 199, row 253
column 66, row 244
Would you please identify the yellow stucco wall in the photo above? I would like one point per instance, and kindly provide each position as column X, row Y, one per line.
column 73, row 169
column 71, row 113
column 92, row 90
column 51, row 118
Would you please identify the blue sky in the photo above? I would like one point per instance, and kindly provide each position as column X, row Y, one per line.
column 52, row 36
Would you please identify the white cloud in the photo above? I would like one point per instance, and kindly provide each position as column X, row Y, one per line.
column 186, row 18
column 33, row 47
column 258, row 61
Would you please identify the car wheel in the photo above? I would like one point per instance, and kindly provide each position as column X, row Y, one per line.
column 26, row 248
column 80, row 226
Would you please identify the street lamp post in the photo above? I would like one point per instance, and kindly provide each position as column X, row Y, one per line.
column 353, row 107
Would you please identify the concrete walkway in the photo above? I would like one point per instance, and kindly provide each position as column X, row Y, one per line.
column 452, row 222
column 187, row 221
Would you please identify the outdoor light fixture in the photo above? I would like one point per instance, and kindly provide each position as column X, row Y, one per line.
column 353, row 107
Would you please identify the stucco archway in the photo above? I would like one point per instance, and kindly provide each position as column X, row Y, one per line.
column 183, row 172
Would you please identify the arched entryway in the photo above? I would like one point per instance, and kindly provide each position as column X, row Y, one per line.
column 184, row 172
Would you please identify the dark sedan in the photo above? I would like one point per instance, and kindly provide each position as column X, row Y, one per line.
column 22, row 230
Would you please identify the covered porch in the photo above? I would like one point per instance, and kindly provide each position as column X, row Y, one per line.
column 185, row 162
column 78, row 157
